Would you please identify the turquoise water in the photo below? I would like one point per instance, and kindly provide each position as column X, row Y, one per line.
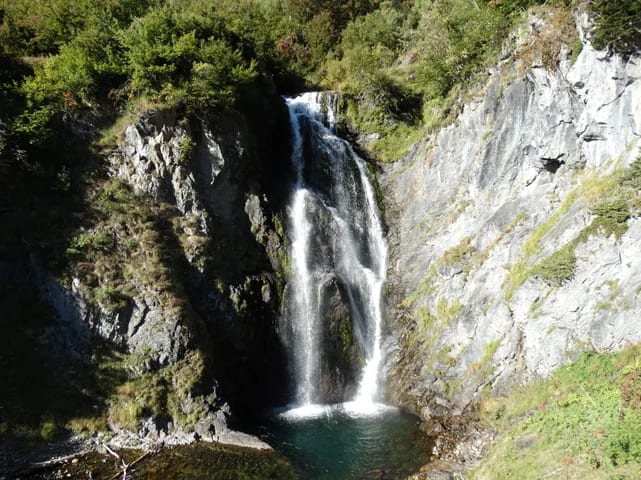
column 339, row 446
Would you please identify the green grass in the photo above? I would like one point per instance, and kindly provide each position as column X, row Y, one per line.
column 583, row 422
column 458, row 253
column 424, row 289
column 483, row 255
column 395, row 143
column 613, row 199
column 532, row 244
column 558, row 267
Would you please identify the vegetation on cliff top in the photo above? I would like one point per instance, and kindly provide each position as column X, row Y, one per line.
column 400, row 64
column 612, row 199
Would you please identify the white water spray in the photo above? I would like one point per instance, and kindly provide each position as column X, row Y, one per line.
column 335, row 233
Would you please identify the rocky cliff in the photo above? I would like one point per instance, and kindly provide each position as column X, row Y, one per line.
column 177, row 270
column 515, row 231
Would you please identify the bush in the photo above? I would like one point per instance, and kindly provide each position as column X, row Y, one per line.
column 48, row 431
column 617, row 25
column 111, row 299
column 611, row 217
column 558, row 267
column 579, row 416
column 456, row 42
column 184, row 55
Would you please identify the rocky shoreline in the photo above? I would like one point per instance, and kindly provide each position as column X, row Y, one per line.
column 102, row 457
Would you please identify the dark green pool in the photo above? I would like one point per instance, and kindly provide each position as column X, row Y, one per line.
column 335, row 445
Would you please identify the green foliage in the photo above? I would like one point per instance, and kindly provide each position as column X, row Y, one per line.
column 558, row 267
column 532, row 244
column 447, row 312
column 34, row 28
column 617, row 25
column 613, row 199
column 162, row 393
column 186, row 150
column 183, row 54
column 424, row 289
column 458, row 254
column 581, row 422
column 483, row 368
column 111, row 299
column 457, row 41
column 126, row 50
column 404, row 65
column 611, row 217
column 368, row 47
column 631, row 177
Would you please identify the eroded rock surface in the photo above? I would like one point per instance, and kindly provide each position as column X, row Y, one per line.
column 475, row 208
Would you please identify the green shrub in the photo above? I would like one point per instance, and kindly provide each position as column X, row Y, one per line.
column 631, row 177
column 579, row 421
column 457, row 41
column 184, row 55
column 558, row 267
column 48, row 431
column 617, row 25
column 111, row 298
column 459, row 253
column 611, row 217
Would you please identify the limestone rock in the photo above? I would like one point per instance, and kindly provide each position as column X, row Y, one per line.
column 464, row 203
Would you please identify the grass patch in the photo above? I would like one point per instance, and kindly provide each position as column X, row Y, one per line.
column 426, row 288
column 518, row 274
column 127, row 246
column 457, row 254
column 532, row 244
column 167, row 393
column 558, row 267
column 483, row 368
column 395, row 142
column 614, row 301
column 583, row 422
column 429, row 323
column 115, row 133
column 612, row 199
column 447, row 312
column 483, row 255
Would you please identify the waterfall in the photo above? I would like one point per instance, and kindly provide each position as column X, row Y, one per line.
column 336, row 245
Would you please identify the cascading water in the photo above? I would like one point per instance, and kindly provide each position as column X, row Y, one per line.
column 336, row 429
column 336, row 242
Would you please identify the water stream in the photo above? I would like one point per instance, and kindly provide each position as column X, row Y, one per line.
column 337, row 426
column 336, row 238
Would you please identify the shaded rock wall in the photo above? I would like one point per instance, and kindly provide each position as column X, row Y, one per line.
column 472, row 208
column 213, row 288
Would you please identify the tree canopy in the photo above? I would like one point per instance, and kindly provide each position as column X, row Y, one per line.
column 398, row 58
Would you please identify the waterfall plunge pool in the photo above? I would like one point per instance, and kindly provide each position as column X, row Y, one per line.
column 337, row 443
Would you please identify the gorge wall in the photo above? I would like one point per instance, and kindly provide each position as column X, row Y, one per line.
column 178, row 267
column 507, row 256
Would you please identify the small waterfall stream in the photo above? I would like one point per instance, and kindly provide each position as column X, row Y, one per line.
column 336, row 428
column 337, row 242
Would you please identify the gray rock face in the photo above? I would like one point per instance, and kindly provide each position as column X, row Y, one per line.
column 155, row 158
column 211, row 290
column 478, row 204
